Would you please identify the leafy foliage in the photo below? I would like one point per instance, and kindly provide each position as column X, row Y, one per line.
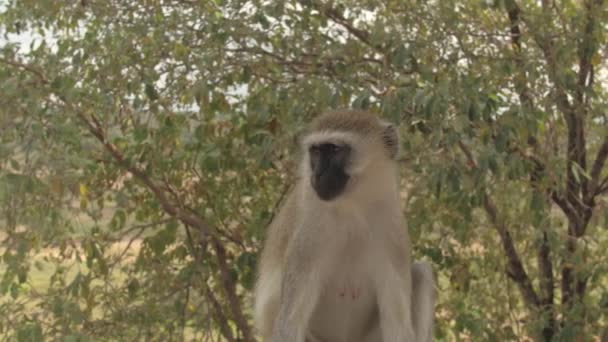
column 145, row 145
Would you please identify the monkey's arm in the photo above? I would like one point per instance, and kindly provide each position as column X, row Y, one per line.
column 266, row 307
column 423, row 300
column 394, row 291
column 300, row 290
column 270, row 268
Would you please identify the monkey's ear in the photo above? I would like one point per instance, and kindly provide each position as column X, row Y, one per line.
column 390, row 137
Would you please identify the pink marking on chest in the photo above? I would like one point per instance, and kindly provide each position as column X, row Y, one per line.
column 351, row 292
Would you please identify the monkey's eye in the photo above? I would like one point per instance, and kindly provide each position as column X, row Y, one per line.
column 326, row 148
column 331, row 148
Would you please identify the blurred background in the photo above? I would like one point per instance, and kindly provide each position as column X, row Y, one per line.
column 145, row 146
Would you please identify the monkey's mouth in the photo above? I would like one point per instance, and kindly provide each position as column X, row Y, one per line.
column 329, row 185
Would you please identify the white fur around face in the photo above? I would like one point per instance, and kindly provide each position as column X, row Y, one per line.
column 334, row 137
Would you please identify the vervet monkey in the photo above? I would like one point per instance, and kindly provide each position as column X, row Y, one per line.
column 336, row 265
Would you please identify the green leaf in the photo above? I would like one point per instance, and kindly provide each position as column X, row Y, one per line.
column 31, row 332
column 151, row 92
column 76, row 338
column 133, row 287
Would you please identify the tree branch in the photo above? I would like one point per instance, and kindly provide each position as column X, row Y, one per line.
column 363, row 36
column 567, row 285
column 339, row 19
column 586, row 49
column 578, row 202
column 521, row 83
column 576, row 137
column 596, row 169
column 547, row 280
column 230, row 289
column 603, row 188
column 220, row 317
column 545, row 266
column 565, row 206
column 515, row 269
column 27, row 68
column 183, row 215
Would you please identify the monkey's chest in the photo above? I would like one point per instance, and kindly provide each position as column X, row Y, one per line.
column 347, row 305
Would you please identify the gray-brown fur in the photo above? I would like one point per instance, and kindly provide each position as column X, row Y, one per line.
column 353, row 121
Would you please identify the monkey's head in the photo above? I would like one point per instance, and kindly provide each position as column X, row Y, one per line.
column 344, row 149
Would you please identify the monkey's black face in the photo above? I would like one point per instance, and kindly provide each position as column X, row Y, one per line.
column 327, row 163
